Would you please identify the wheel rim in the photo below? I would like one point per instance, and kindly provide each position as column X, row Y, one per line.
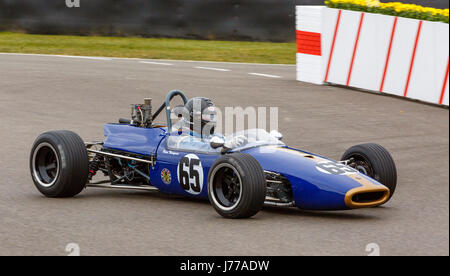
column 363, row 165
column 226, row 187
column 45, row 165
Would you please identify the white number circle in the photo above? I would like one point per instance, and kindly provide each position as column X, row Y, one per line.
column 190, row 174
column 330, row 167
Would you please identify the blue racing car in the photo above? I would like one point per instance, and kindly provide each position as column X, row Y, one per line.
column 238, row 173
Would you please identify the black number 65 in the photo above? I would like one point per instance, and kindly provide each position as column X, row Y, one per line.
column 189, row 169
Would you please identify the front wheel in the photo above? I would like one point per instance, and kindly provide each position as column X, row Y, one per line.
column 59, row 164
column 375, row 161
column 237, row 186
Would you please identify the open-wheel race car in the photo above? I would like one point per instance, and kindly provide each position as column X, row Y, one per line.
column 238, row 173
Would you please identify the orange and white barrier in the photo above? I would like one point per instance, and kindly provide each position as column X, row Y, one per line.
column 394, row 55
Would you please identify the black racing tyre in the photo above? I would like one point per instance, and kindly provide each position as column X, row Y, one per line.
column 376, row 162
column 59, row 164
column 237, row 186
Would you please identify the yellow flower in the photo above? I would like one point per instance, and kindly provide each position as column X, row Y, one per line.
column 414, row 11
column 373, row 4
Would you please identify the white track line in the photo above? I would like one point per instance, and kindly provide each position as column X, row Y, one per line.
column 61, row 56
column 265, row 75
column 156, row 63
column 229, row 62
column 82, row 57
column 212, row 68
column 163, row 60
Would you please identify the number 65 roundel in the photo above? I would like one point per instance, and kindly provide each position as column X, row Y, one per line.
column 190, row 174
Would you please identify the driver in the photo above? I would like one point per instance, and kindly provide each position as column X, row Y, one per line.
column 201, row 117
column 198, row 125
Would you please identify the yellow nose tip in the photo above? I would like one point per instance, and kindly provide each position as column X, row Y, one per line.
column 366, row 197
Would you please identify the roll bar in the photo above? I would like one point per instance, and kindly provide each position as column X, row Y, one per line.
column 166, row 105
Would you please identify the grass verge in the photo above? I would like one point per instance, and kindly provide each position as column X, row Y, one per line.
column 151, row 48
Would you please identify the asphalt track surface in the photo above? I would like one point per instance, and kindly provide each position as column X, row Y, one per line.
column 40, row 93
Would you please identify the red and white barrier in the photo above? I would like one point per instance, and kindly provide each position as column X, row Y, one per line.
column 400, row 56
column 309, row 50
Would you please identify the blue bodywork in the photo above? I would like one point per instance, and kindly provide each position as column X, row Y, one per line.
column 312, row 189
column 133, row 139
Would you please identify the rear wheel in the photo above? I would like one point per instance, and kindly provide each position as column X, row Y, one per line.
column 375, row 161
column 59, row 164
column 237, row 186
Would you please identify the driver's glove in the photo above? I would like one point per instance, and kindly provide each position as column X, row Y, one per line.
column 236, row 142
